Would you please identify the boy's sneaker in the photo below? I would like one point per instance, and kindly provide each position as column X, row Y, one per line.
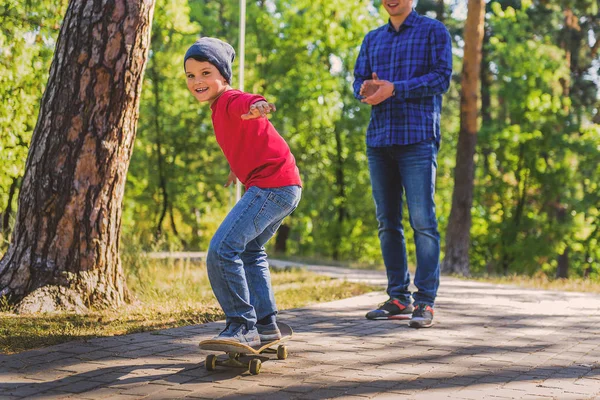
column 269, row 332
column 391, row 309
column 422, row 317
column 236, row 332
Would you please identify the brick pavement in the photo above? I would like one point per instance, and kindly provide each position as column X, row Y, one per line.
column 490, row 341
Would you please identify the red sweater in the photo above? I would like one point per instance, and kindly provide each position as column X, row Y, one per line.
column 257, row 154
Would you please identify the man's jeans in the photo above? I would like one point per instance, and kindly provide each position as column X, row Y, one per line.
column 410, row 169
column 237, row 263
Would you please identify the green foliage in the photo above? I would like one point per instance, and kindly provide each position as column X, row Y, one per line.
column 300, row 55
column 536, row 189
column 177, row 168
column 28, row 31
column 309, row 77
column 529, row 188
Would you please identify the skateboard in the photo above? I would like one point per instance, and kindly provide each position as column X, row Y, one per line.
column 236, row 350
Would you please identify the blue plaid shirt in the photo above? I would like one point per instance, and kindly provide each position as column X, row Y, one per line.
column 418, row 60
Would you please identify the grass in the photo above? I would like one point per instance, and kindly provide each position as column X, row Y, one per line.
column 168, row 293
column 537, row 281
column 541, row 281
column 332, row 263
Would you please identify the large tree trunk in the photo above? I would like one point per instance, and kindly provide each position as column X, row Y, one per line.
column 459, row 225
column 64, row 252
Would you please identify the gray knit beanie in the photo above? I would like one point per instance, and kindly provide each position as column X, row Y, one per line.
column 216, row 52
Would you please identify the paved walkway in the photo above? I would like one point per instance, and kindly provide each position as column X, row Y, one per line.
column 490, row 341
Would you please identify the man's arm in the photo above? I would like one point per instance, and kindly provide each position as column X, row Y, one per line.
column 362, row 68
column 437, row 80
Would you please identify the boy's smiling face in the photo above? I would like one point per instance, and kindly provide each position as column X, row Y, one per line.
column 204, row 80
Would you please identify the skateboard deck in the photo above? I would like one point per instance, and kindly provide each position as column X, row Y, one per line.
column 236, row 350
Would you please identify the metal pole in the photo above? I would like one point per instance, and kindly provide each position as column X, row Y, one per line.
column 238, row 186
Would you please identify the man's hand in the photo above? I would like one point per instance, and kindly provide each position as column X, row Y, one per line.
column 231, row 179
column 259, row 109
column 368, row 87
column 376, row 90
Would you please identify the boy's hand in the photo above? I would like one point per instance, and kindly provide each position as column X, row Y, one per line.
column 259, row 109
column 231, row 179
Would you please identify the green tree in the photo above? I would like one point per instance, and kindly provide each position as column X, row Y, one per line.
column 300, row 56
column 64, row 251
column 309, row 74
column 524, row 163
column 28, row 32
column 458, row 234
column 546, row 218
column 172, row 172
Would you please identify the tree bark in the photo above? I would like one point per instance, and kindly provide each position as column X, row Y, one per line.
column 9, row 211
column 64, row 252
column 588, row 250
column 459, row 225
column 440, row 11
column 341, row 193
column 562, row 269
column 568, row 44
column 486, row 82
column 283, row 234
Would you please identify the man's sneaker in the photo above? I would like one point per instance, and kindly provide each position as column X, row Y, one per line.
column 236, row 332
column 391, row 309
column 422, row 317
column 268, row 332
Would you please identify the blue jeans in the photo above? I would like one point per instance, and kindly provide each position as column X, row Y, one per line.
column 237, row 262
column 411, row 170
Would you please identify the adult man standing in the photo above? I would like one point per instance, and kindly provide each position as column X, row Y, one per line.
column 402, row 71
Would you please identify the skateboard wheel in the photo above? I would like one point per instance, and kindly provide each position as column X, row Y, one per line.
column 211, row 362
column 282, row 352
column 254, row 366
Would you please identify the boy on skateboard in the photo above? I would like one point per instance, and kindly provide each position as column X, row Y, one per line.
column 261, row 159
